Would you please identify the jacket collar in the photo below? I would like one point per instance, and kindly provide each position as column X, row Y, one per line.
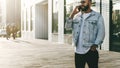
column 92, row 13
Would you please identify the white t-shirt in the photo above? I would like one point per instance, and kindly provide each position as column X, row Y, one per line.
column 79, row 48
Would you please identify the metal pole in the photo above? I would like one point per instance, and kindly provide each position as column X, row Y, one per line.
column 100, row 13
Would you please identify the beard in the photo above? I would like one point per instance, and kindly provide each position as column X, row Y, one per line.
column 85, row 8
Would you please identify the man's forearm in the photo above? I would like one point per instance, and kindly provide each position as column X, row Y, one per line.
column 71, row 16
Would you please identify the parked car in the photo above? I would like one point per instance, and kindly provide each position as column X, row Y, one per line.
column 3, row 33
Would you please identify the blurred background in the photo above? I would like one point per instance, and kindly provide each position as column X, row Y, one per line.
column 45, row 19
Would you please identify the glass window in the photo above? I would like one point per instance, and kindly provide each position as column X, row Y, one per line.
column 116, row 19
column 31, row 21
column 67, row 10
column 22, row 20
column 115, row 25
column 55, row 20
column 93, row 3
column 55, row 17
column 27, row 20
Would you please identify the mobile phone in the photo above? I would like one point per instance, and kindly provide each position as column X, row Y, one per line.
column 79, row 8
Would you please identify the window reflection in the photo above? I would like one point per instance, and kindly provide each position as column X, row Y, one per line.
column 55, row 20
column 26, row 19
column 116, row 21
column 115, row 25
column 31, row 21
column 68, row 9
column 55, row 17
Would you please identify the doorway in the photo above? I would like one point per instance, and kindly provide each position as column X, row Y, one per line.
column 41, row 21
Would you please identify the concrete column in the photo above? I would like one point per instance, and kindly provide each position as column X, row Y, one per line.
column 50, row 20
column 61, row 21
column 22, row 17
column 105, row 14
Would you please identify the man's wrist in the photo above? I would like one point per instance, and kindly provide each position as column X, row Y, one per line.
column 95, row 45
column 72, row 15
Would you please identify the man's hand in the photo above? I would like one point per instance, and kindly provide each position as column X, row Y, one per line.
column 93, row 47
column 75, row 11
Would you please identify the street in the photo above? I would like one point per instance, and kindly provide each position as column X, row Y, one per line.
column 38, row 53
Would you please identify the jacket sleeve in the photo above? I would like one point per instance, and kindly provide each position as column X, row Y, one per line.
column 69, row 24
column 101, row 31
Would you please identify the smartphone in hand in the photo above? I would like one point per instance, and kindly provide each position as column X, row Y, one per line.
column 79, row 8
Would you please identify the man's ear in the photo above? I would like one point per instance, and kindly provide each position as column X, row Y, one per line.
column 90, row 4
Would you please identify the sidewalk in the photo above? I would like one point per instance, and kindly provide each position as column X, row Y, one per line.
column 65, row 56
column 21, row 53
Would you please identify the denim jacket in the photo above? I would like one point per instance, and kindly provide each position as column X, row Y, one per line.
column 93, row 30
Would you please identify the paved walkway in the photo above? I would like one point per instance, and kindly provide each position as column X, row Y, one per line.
column 43, row 54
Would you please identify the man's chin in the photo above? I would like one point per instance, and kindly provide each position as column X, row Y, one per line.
column 84, row 10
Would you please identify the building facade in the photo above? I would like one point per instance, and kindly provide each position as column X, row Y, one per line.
column 45, row 19
column 13, row 12
column 2, row 14
column 10, row 13
column 34, row 19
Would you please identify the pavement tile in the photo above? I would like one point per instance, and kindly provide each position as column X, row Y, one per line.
column 36, row 53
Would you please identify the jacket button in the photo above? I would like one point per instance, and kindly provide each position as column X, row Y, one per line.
column 79, row 25
column 77, row 32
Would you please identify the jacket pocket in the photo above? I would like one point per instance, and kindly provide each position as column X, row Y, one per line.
column 92, row 22
column 92, row 28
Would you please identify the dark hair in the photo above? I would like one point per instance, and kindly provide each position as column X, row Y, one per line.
column 90, row 0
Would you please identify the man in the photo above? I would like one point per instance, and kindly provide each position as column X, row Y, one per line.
column 88, row 34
